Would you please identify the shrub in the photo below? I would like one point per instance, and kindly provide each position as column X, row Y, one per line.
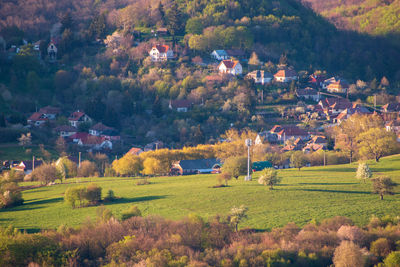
column 381, row 247
column 363, row 171
column 66, row 167
column 132, row 212
column 269, row 177
column 10, row 195
column 87, row 169
column 75, row 196
column 350, row 233
column 93, row 193
column 110, row 196
column 46, row 173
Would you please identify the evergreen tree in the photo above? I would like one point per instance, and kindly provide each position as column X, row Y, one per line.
column 161, row 11
column 175, row 20
column 66, row 22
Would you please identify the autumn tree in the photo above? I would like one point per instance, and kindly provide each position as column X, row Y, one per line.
column 128, row 165
column 25, row 140
column 269, row 176
column 66, row 167
column 363, row 171
column 383, row 185
column 87, row 169
column 61, row 145
column 151, row 166
column 375, row 143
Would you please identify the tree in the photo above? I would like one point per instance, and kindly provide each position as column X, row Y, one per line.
column 151, row 166
column 383, row 185
column 87, row 169
column 93, row 193
column 194, row 26
column 97, row 28
column 61, row 145
column 25, row 140
column 66, row 168
column 128, row 165
column 375, row 143
column 236, row 215
column 235, row 166
column 393, row 259
column 298, row 160
column 131, row 212
column 74, row 196
column 175, row 20
column 10, row 194
column 363, row 171
column 348, row 254
column 254, row 59
column 269, row 176
column 46, row 173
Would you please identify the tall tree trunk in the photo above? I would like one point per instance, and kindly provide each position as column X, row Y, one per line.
column 381, row 196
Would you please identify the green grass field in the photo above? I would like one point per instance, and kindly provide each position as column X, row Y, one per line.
column 312, row 193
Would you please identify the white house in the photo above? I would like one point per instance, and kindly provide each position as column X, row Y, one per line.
column 260, row 76
column 52, row 50
column 77, row 118
column 219, row 55
column 285, row 76
column 230, row 67
column 161, row 53
column 65, row 130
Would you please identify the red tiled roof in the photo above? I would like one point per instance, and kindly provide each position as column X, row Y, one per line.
column 135, row 151
column 76, row 116
column 288, row 130
column 79, row 135
column 37, row 116
column 285, row 73
column 229, row 64
column 162, row 48
column 101, row 127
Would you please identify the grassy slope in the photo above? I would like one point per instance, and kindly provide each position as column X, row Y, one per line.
column 316, row 192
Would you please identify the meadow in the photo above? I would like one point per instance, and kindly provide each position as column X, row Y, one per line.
column 313, row 193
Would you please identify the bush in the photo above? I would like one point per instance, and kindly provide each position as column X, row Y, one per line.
column 10, row 195
column 393, row 259
column 75, row 196
column 93, row 193
column 66, row 167
column 110, row 196
column 132, row 212
column 46, row 173
column 381, row 247
column 348, row 254
column 87, row 169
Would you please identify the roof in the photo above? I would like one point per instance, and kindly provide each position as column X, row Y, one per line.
column 198, row 164
column 135, row 151
column 66, row 128
column 391, row 107
column 285, row 73
column 313, row 147
column 260, row 165
column 221, row 53
column 229, row 64
column 318, row 139
column 79, row 135
column 292, row 130
column 182, row 103
column 162, row 48
column 339, row 84
column 28, row 164
column 37, row 116
column 101, row 127
column 336, row 102
column 50, row 110
column 75, row 116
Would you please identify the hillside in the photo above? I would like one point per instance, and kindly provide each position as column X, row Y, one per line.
column 312, row 193
column 369, row 16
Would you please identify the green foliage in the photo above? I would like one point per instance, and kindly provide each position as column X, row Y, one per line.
column 393, row 259
column 235, row 166
column 236, row 215
column 383, row 185
column 298, row 160
column 10, row 194
column 75, row 196
column 46, row 173
column 93, row 193
column 131, row 212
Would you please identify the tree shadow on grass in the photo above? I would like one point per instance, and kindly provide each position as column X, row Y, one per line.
column 45, row 201
column 331, row 170
column 20, row 208
column 125, row 200
column 326, row 183
column 384, row 169
column 334, row 191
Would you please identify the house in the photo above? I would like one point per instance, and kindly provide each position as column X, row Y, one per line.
column 308, row 94
column 135, row 151
column 285, row 75
column 236, row 53
column 27, row 166
column 50, row 112
column 65, row 130
column 37, row 119
column 260, row 76
column 90, row 141
column 339, row 86
column 230, row 67
column 75, row 138
column 391, row 108
column 334, row 105
column 265, row 136
column 285, row 132
column 345, row 114
column 78, row 117
column 185, row 167
column 293, row 145
column 316, row 80
column 311, row 147
column 161, row 53
column 182, row 105
column 52, row 50
column 393, row 126
column 319, row 140
column 101, row 130
column 219, row 55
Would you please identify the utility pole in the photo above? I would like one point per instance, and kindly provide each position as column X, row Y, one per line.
column 324, row 159
column 33, row 163
column 374, row 100
column 79, row 160
column 248, row 143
